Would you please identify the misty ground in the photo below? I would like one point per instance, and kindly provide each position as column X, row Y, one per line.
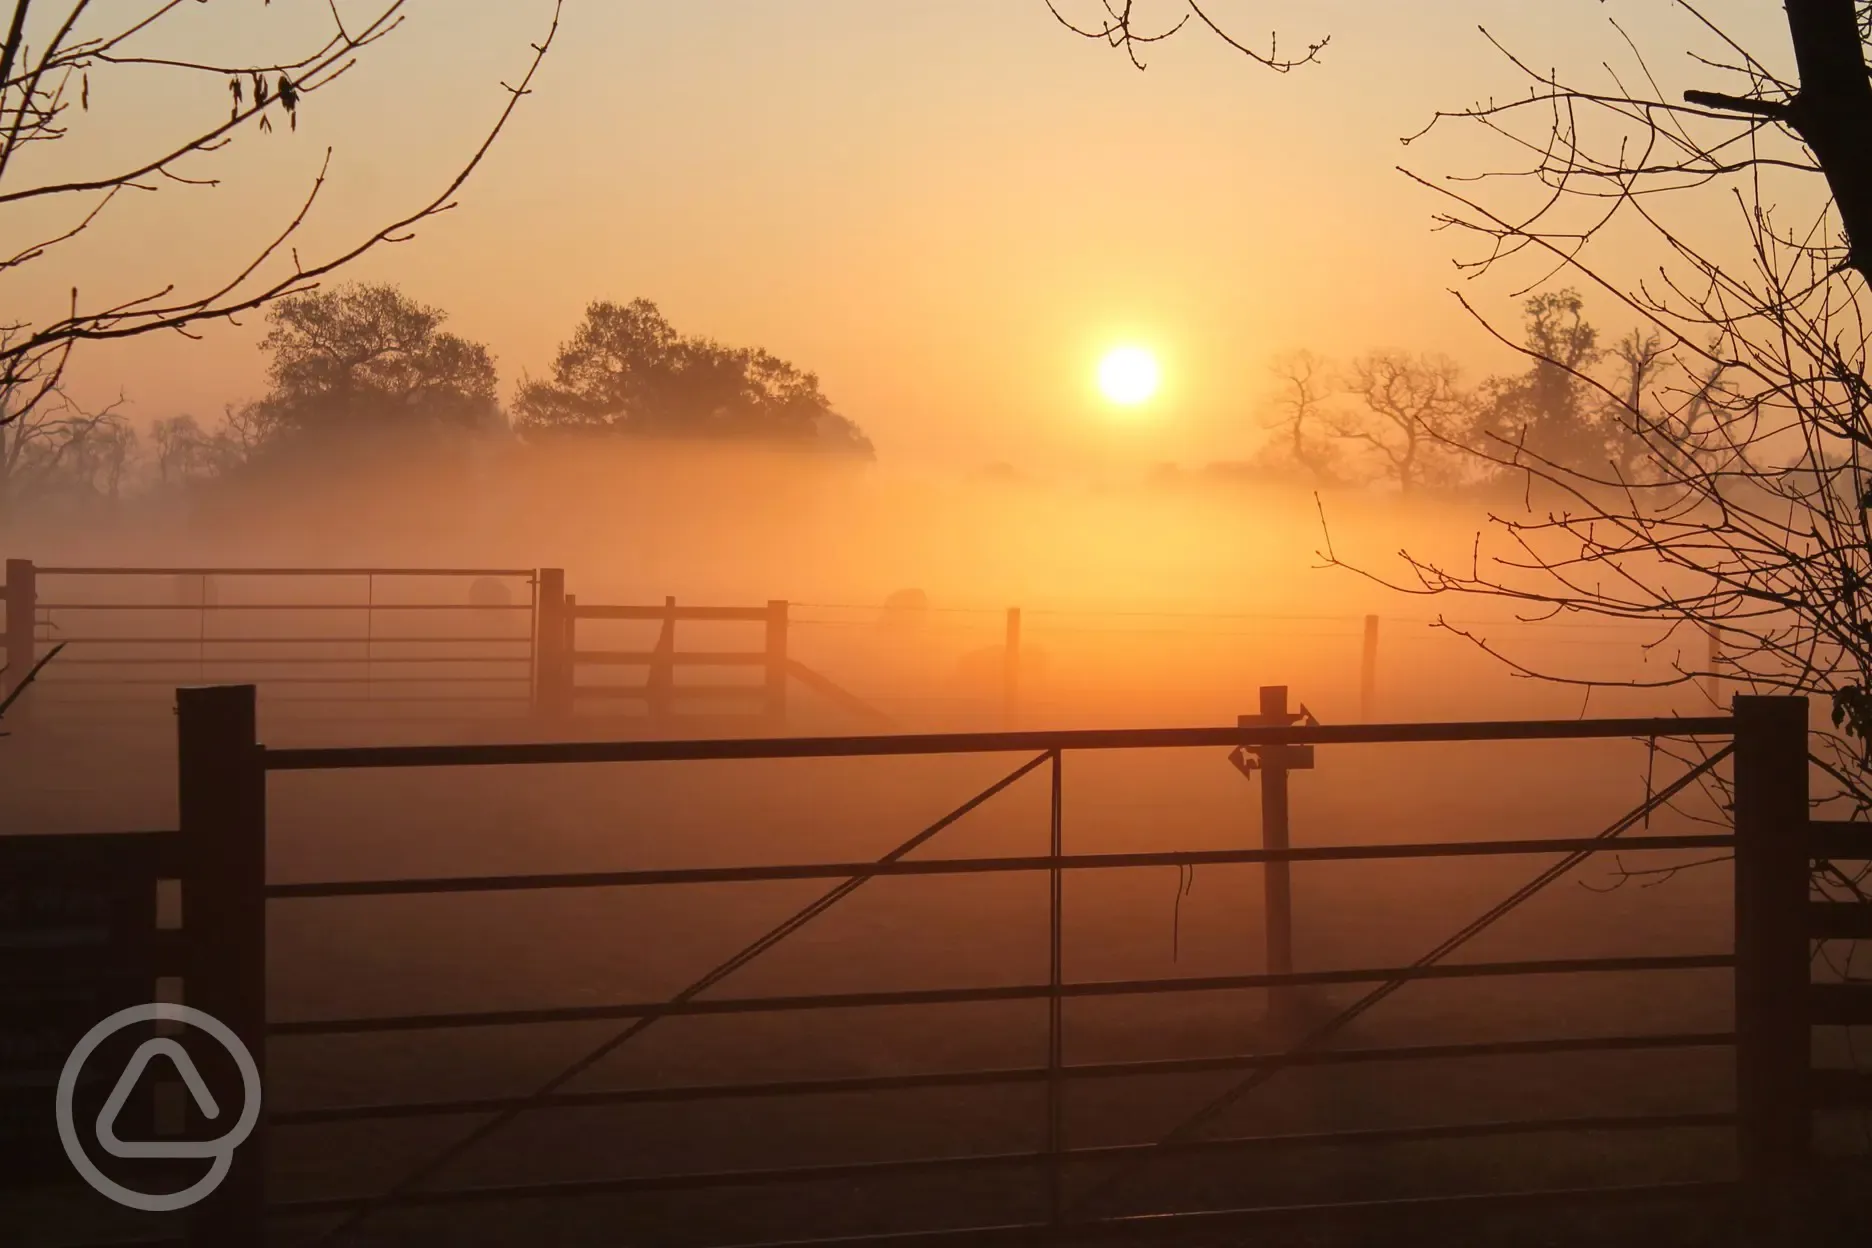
column 1122, row 648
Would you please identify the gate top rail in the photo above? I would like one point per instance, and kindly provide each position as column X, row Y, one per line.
column 44, row 571
column 331, row 758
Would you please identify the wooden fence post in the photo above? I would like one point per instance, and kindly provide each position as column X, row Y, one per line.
column 660, row 685
column 221, row 784
column 778, row 616
column 1010, row 667
column 1368, row 671
column 552, row 659
column 1277, row 886
column 1771, row 977
column 22, row 603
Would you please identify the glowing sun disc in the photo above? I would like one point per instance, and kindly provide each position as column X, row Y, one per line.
column 1128, row 375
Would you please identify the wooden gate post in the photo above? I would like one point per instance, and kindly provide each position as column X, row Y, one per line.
column 778, row 615
column 1277, row 884
column 1368, row 671
column 22, row 614
column 221, row 777
column 552, row 657
column 1773, row 1041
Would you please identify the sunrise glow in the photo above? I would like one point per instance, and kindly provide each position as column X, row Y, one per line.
column 1128, row 376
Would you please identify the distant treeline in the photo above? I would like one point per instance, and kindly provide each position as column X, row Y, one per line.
column 364, row 370
column 1410, row 422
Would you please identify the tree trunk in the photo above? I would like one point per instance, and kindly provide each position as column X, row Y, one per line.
column 1833, row 112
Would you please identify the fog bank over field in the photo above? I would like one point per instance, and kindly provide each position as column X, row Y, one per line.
column 734, row 525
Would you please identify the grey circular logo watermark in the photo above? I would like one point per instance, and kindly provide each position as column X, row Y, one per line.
column 221, row 1151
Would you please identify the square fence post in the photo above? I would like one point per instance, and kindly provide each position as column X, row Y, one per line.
column 1277, row 877
column 221, row 785
column 1010, row 668
column 1368, row 672
column 660, row 682
column 778, row 616
column 1773, row 1038
column 552, row 656
column 22, row 614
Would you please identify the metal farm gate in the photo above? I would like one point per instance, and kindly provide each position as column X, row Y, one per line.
column 224, row 772
column 331, row 642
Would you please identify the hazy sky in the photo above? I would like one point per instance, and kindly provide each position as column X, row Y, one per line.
column 947, row 208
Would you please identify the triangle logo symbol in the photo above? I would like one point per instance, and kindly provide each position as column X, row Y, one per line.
column 147, row 1052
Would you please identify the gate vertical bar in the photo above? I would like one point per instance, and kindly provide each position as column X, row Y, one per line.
column 1368, row 671
column 22, row 599
column 1773, row 1039
column 1277, row 880
column 552, row 666
column 778, row 617
column 1056, row 1028
column 221, row 785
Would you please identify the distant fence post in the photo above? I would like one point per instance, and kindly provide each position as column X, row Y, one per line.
column 1010, row 666
column 778, row 615
column 221, row 785
column 552, row 658
column 22, row 615
column 1773, row 1037
column 660, row 685
column 1368, row 671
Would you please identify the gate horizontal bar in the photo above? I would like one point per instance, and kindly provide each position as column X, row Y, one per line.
column 672, row 692
column 263, row 681
column 1012, row 992
column 737, row 614
column 330, row 757
column 285, row 571
column 1113, row 1152
column 1832, row 838
column 982, row 866
column 1839, row 920
column 353, row 660
column 680, row 658
column 1157, row 1227
column 214, row 607
column 1839, row 1005
column 358, row 639
column 849, row 1085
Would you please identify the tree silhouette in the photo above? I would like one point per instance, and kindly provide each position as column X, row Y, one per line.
column 366, row 360
column 56, row 55
column 1413, row 412
column 627, row 371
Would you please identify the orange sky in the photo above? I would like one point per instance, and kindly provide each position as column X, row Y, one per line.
column 945, row 207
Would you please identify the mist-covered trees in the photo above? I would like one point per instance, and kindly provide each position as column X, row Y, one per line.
column 56, row 452
column 364, row 361
column 628, row 371
column 1412, row 423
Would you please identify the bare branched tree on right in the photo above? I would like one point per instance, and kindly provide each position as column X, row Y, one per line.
column 1731, row 491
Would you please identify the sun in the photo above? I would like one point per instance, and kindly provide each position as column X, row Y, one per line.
column 1128, row 375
